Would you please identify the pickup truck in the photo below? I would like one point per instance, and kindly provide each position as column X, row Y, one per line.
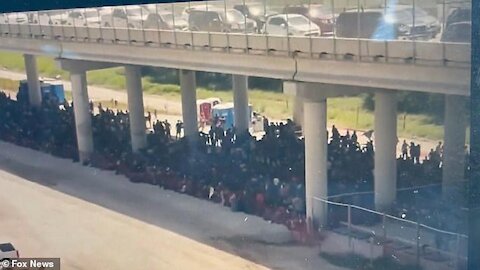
column 7, row 251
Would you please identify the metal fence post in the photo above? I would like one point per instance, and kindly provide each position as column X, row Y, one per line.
column 349, row 208
column 40, row 25
column 310, row 29
column 359, row 31
column 334, row 30
column 384, row 226
column 29, row 24
column 418, row 244
column 457, row 257
column 143, row 27
column 226, row 33
column 414, row 35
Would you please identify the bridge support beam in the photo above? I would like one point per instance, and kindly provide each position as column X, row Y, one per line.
column 315, row 132
column 34, row 92
column 83, row 118
column 188, row 89
column 240, row 102
column 455, row 124
column 385, row 171
column 298, row 110
column 135, row 107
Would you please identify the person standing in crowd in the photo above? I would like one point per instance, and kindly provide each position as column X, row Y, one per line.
column 412, row 151
column 149, row 119
column 404, row 149
column 179, row 127
column 439, row 149
column 418, row 151
column 168, row 133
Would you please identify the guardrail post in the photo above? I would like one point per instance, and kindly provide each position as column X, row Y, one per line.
column 384, row 226
column 418, row 244
column 457, row 257
column 349, row 207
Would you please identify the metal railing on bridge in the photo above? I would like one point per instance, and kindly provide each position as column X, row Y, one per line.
column 364, row 30
column 397, row 237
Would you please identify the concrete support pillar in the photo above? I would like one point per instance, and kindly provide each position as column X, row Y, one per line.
column 240, row 102
column 34, row 93
column 83, row 119
column 298, row 110
column 188, row 88
column 453, row 164
column 135, row 107
column 316, row 186
column 385, row 172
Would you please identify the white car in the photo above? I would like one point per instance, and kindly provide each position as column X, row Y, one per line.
column 83, row 17
column 165, row 20
column 125, row 17
column 7, row 251
column 42, row 18
column 57, row 17
column 232, row 19
column 92, row 16
column 291, row 24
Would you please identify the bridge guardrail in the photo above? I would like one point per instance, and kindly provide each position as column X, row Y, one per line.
column 323, row 32
column 319, row 47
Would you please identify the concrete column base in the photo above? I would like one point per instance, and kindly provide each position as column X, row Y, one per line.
column 385, row 171
column 316, row 182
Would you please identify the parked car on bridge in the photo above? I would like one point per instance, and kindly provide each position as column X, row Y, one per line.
column 83, row 17
column 58, row 17
column 125, row 17
column 41, row 17
column 14, row 18
column 458, row 26
column 460, row 32
column 387, row 24
column 256, row 12
column 215, row 19
column 317, row 13
column 460, row 14
column 291, row 24
column 165, row 20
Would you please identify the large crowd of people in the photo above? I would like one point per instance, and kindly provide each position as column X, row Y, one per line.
column 262, row 176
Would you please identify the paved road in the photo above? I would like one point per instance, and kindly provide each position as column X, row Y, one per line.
column 53, row 207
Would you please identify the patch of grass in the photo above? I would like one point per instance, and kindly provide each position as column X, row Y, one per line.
column 112, row 78
column 356, row 262
column 46, row 66
column 8, row 84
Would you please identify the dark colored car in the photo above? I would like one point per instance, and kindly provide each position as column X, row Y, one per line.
column 387, row 24
column 458, row 32
column 164, row 21
column 317, row 13
column 219, row 20
column 459, row 15
column 207, row 20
